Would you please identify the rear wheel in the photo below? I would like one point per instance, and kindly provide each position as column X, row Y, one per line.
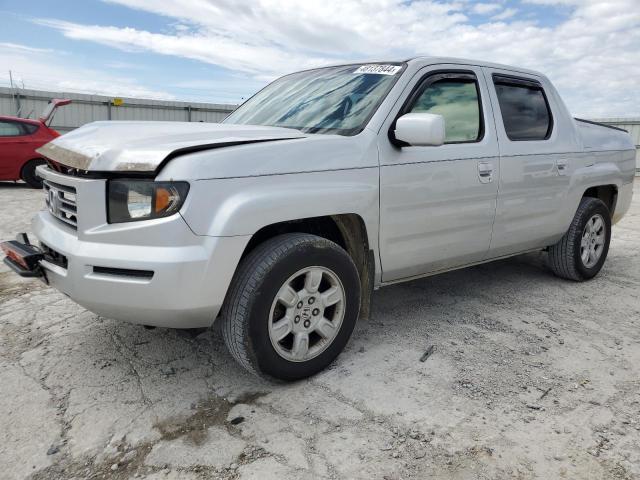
column 29, row 175
column 581, row 252
column 291, row 307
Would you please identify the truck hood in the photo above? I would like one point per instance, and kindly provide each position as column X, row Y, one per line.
column 144, row 146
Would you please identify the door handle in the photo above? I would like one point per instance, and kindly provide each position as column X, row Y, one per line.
column 485, row 172
column 561, row 166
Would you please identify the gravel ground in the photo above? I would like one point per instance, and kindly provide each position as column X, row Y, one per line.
column 531, row 377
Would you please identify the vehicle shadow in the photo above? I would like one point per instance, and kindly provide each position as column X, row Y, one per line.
column 427, row 306
column 15, row 185
column 487, row 282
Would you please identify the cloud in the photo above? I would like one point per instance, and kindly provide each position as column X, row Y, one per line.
column 505, row 14
column 38, row 71
column 485, row 8
column 592, row 53
column 16, row 47
column 213, row 48
column 554, row 2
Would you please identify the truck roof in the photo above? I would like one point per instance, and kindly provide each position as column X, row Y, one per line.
column 429, row 60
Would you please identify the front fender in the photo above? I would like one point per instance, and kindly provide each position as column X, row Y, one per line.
column 242, row 206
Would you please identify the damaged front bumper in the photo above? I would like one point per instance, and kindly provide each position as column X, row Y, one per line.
column 22, row 257
column 153, row 272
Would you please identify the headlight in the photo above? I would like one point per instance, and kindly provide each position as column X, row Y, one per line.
column 132, row 200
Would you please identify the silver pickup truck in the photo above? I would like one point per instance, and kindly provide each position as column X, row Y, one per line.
column 324, row 186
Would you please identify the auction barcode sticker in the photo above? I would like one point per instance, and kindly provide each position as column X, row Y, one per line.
column 379, row 69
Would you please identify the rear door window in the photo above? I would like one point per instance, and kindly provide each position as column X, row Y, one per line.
column 524, row 107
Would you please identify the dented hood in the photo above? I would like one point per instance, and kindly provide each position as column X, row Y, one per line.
column 144, row 146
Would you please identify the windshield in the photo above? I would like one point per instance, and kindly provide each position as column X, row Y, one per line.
column 326, row 100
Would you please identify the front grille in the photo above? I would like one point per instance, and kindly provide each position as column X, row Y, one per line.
column 61, row 202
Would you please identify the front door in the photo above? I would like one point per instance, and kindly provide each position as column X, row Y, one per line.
column 437, row 203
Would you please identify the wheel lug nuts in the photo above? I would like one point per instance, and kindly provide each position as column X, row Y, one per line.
column 297, row 319
column 307, row 323
column 316, row 311
column 300, row 304
column 311, row 300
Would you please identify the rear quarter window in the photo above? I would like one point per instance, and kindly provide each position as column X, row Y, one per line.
column 29, row 128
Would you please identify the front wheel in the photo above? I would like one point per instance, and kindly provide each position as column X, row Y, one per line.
column 291, row 307
column 581, row 252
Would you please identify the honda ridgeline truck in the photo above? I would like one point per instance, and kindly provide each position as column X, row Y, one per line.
column 324, row 186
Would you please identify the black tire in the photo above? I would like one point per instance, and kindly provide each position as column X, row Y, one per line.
column 247, row 308
column 564, row 257
column 28, row 173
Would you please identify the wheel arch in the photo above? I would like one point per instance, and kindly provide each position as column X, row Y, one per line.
column 349, row 231
column 607, row 193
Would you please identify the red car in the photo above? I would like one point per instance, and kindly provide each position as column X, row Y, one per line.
column 19, row 138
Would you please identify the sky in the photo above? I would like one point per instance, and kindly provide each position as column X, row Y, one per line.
column 223, row 51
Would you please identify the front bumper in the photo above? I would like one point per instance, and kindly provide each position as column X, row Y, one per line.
column 155, row 272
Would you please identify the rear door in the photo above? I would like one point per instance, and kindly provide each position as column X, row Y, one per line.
column 437, row 203
column 536, row 150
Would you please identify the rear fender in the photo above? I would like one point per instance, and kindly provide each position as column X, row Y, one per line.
column 595, row 169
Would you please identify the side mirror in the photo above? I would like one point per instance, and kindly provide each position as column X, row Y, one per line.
column 420, row 129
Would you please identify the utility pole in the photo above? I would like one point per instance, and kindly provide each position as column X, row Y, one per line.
column 15, row 94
